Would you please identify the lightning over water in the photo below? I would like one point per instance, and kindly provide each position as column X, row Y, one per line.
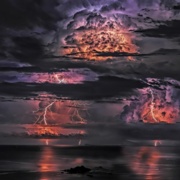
column 89, row 88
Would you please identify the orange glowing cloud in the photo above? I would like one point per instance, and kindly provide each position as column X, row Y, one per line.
column 153, row 106
column 88, row 43
column 59, row 112
column 42, row 131
column 163, row 112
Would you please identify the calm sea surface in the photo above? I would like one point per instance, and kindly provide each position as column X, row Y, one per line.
column 130, row 162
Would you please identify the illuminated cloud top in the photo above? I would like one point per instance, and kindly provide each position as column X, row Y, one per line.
column 82, row 28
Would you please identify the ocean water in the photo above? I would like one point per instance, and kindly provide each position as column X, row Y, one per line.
column 128, row 162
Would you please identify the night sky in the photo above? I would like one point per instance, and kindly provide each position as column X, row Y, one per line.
column 86, row 65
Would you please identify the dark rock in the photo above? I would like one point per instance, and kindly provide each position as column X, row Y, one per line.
column 78, row 170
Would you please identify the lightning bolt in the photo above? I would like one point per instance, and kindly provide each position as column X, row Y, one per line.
column 60, row 81
column 47, row 142
column 79, row 143
column 157, row 142
column 75, row 109
column 80, row 140
column 75, row 106
column 152, row 105
column 43, row 117
column 45, row 112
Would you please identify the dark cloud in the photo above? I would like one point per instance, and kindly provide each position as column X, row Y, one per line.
column 27, row 49
column 177, row 7
column 155, row 53
column 116, row 6
column 24, row 26
column 170, row 29
column 28, row 14
column 106, row 87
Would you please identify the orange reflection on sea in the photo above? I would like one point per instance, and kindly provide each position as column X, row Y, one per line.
column 51, row 162
column 47, row 163
column 146, row 163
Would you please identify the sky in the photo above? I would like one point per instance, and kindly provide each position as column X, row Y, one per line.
column 98, row 63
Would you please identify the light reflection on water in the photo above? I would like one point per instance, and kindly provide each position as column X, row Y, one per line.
column 50, row 162
column 47, row 161
column 142, row 163
column 146, row 162
column 153, row 163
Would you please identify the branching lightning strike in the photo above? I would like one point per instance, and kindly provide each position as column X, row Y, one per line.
column 75, row 110
column 152, row 105
column 60, row 80
column 43, row 117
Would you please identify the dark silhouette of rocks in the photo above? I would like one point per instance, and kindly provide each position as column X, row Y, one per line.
column 78, row 170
